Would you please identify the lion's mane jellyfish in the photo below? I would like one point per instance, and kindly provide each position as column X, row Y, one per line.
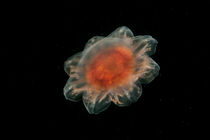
column 111, row 69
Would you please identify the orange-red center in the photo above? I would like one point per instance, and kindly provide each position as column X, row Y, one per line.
column 110, row 67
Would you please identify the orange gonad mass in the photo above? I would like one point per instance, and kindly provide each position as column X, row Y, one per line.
column 110, row 67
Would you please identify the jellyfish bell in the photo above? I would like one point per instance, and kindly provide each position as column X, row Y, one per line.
column 111, row 69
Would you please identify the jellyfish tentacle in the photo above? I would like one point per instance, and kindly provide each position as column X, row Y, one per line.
column 74, row 89
column 147, row 69
column 70, row 65
column 96, row 102
column 120, row 99
column 121, row 32
column 136, row 92
column 144, row 45
column 125, row 96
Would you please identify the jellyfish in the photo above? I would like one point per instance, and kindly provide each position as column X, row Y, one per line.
column 111, row 70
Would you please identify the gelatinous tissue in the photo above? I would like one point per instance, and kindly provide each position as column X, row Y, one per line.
column 111, row 69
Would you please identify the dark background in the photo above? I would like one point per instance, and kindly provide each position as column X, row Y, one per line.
column 59, row 30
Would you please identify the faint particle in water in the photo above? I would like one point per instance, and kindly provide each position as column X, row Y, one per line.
column 111, row 69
